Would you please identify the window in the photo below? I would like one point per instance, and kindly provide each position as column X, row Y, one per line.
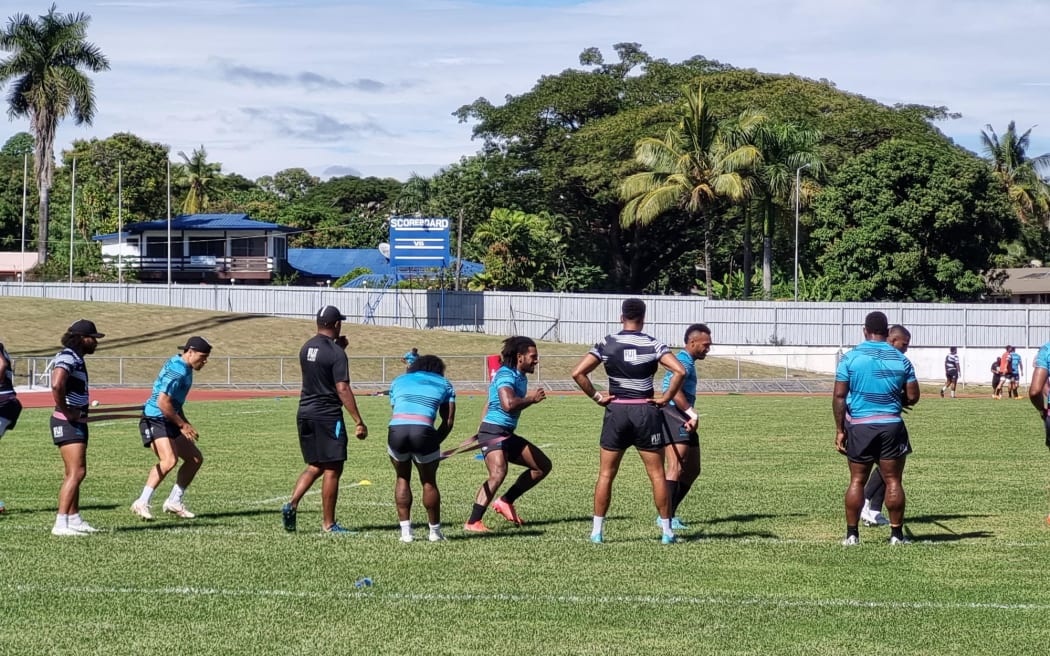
column 280, row 248
column 214, row 246
column 248, row 247
column 158, row 247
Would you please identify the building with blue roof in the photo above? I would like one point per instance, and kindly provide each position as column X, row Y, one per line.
column 326, row 265
column 207, row 248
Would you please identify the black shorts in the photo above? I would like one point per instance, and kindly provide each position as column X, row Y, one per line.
column 951, row 376
column 10, row 410
column 493, row 437
column 1014, row 378
column 1046, row 426
column 152, row 428
column 877, row 441
column 640, row 425
column 674, row 427
column 65, row 432
column 322, row 440
column 413, row 441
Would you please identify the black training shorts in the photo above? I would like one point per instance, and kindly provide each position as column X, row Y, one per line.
column 877, row 441
column 413, row 441
column 493, row 437
column 640, row 425
column 10, row 411
column 65, row 432
column 322, row 440
column 674, row 427
column 151, row 428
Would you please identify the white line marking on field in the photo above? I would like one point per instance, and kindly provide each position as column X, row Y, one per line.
column 287, row 497
column 637, row 600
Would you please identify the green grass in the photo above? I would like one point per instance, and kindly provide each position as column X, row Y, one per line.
column 761, row 570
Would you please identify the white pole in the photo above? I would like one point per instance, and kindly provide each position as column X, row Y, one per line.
column 25, row 182
column 169, row 233
column 72, row 214
column 798, row 192
column 120, row 223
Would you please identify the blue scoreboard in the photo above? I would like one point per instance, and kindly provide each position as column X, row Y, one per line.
column 419, row 242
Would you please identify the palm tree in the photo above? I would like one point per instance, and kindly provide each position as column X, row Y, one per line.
column 416, row 195
column 699, row 162
column 1018, row 173
column 47, row 84
column 785, row 149
column 197, row 175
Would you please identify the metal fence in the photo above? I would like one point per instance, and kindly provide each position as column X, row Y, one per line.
column 466, row 372
column 583, row 318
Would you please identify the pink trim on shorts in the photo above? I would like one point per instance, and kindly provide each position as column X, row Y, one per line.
column 410, row 417
column 631, row 401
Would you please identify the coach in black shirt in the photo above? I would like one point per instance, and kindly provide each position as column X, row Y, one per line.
column 322, row 433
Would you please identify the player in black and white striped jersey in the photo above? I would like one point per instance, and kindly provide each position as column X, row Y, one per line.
column 632, row 414
column 951, row 371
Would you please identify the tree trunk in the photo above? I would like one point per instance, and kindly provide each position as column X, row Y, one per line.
column 41, row 235
column 707, row 259
column 767, row 251
column 748, row 263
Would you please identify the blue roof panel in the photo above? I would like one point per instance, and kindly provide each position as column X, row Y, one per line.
column 208, row 222
column 336, row 262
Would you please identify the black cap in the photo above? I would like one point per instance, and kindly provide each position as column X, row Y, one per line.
column 197, row 344
column 329, row 314
column 84, row 328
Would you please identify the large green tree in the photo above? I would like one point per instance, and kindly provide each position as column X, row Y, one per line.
column 910, row 222
column 13, row 167
column 46, row 74
column 696, row 165
column 1018, row 172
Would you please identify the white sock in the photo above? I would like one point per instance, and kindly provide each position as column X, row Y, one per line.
column 147, row 494
column 61, row 521
column 176, row 494
column 435, row 528
column 953, row 394
column 598, row 525
column 665, row 524
column 406, row 527
column 75, row 519
column 867, row 505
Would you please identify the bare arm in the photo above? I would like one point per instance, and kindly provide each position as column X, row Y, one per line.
column 1035, row 390
column 447, row 412
column 582, row 375
column 671, row 363
column 350, row 403
column 512, row 403
column 911, row 394
column 59, row 378
column 167, row 408
column 838, row 408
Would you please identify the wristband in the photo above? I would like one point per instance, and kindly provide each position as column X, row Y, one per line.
column 597, row 397
column 689, row 412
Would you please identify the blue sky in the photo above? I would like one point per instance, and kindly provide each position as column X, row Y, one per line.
column 369, row 87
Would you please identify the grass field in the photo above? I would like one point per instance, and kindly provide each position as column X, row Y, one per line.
column 761, row 570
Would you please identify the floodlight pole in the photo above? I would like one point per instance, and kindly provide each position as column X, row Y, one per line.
column 25, row 181
column 72, row 214
column 798, row 181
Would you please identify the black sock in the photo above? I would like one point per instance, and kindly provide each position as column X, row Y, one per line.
column 897, row 532
column 476, row 513
column 852, row 530
column 679, row 495
column 672, row 491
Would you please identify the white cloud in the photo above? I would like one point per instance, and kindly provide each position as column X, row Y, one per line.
column 374, row 83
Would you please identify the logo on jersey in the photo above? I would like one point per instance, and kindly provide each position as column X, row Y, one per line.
column 57, row 432
column 655, row 438
column 630, row 355
column 311, row 355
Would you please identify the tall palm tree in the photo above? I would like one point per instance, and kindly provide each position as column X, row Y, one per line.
column 1018, row 173
column 48, row 84
column 698, row 163
column 785, row 149
column 197, row 175
column 416, row 195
